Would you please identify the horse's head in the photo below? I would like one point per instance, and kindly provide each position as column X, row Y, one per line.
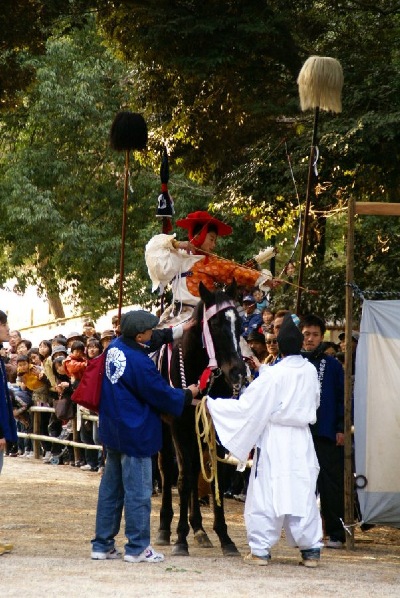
column 223, row 322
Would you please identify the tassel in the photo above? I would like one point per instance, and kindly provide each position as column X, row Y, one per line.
column 128, row 132
column 320, row 84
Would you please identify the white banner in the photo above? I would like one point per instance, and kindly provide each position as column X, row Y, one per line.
column 377, row 412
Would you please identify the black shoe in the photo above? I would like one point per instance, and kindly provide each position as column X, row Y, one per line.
column 228, row 494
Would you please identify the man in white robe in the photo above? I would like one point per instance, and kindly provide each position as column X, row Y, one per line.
column 273, row 414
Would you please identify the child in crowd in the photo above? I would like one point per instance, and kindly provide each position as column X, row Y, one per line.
column 64, row 389
column 260, row 298
column 76, row 362
column 31, row 376
column 21, row 402
column 267, row 320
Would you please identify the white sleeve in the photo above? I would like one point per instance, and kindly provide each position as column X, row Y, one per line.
column 240, row 422
column 163, row 260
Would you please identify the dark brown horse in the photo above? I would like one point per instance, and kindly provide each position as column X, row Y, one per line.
column 188, row 361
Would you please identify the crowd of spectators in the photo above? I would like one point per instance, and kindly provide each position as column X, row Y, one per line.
column 40, row 376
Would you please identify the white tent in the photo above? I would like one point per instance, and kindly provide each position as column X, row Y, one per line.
column 377, row 413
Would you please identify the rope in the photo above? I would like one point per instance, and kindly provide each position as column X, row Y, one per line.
column 182, row 367
column 207, row 436
column 371, row 292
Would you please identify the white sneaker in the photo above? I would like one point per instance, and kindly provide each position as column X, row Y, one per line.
column 147, row 556
column 30, row 455
column 334, row 544
column 48, row 457
column 240, row 497
column 102, row 556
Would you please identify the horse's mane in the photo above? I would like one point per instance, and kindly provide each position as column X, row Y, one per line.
column 220, row 297
column 193, row 337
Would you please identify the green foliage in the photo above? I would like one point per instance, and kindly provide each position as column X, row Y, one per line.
column 216, row 82
column 60, row 189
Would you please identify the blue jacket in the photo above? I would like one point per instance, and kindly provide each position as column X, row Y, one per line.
column 251, row 323
column 8, row 427
column 330, row 414
column 133, row 396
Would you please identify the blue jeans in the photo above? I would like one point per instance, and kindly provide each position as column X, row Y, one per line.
column 126, row 483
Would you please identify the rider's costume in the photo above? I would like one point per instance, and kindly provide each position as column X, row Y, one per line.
column 184, row 271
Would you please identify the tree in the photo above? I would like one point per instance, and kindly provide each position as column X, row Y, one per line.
column 60, row 191
column 25, row 25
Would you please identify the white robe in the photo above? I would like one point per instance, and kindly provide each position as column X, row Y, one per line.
column 273, row 414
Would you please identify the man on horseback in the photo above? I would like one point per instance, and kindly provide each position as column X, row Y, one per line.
column 185, row 264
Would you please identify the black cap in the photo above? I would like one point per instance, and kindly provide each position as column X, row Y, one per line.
column 255, row 336
column 136, row 321
column 290, row 339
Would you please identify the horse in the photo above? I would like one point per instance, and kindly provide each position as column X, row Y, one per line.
column 216, row 319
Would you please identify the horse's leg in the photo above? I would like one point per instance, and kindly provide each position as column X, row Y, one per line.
column 181, row 547
column 195, row 517
column 220, row 527
column 189, row 465
column 166, row 466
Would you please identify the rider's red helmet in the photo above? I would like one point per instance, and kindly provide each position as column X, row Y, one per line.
column 198, row 225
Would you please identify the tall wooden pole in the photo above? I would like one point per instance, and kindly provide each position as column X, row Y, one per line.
column 128, row 132
column 320, row 84
column 310, row 187
column 348, row 387
column 123, row 236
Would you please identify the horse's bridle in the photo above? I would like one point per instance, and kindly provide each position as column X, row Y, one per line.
column 209, row 312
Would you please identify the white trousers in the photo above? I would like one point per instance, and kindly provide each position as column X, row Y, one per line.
column 264, row 527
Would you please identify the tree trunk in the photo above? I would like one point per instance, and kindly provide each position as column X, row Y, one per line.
column 56, row 306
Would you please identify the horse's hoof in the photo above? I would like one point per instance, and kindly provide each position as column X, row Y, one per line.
column 180, row 550
column 230, row 550
column 202, row 540
column 163, row 538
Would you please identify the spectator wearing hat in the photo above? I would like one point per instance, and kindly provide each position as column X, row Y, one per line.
column 106, row 337
column 187, row 263
column 73, row 336
column 256, row 341
column 252, row 319
column 59, row 351
column 133, row 397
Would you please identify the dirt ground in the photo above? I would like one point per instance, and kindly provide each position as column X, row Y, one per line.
column 48, row 513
